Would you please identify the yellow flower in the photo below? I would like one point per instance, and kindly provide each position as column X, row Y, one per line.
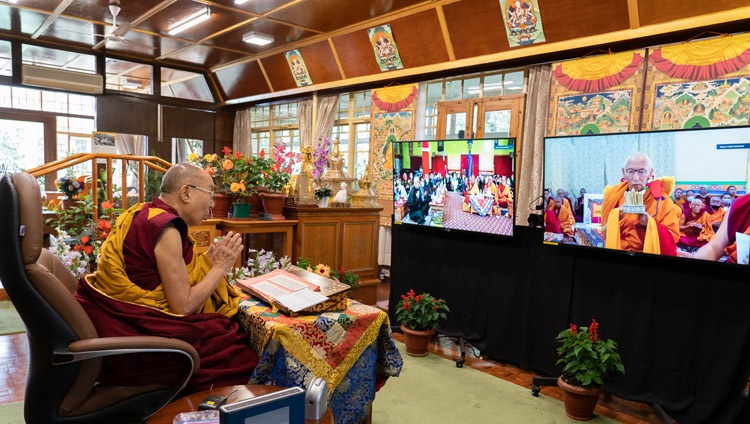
column 323, row 270
column 236, row 187
column 192, row 157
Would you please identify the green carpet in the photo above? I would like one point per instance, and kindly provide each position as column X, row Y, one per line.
column 433, row 390
column 10, row 322
column 11, row 413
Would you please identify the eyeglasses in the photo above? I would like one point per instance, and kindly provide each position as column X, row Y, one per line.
column 210, row 192
column 641, row 172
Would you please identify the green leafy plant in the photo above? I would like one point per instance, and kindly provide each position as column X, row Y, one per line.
column 234, row 173
column 343, row 275
column 323, row 192
column 587, row 359
column 420, row 311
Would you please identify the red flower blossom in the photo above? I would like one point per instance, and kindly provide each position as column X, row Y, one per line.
column 227, row 151
column 594, row 331
column 407, row 305
column 77, row 247
column 573, row 329
column 262, row 153
column 88, row 249
column 85, row 239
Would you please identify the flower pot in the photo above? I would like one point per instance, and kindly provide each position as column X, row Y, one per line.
column 256, row 205
column 416, row 341
column 579, row 401
column 323, row 203
column 221, row 205
column 242, row 210
column 273, row 203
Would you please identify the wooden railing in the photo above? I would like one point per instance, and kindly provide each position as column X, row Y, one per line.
column 153, row 162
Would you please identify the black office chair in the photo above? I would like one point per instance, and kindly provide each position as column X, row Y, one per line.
column 62, row 384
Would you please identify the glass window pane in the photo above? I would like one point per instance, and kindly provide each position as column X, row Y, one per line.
column 132, row 77
column 513, row 83
column 185, row 85
column 453, row 90
column 362, row 153
column 5, row 58
column 497, row 124
column 471, row 88
column 493, row 85
column 434, row 93
column 343, row 111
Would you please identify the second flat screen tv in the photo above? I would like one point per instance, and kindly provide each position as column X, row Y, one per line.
column 667, row 192
column 456, row 185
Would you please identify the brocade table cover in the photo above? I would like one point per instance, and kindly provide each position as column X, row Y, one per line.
column 353, row 350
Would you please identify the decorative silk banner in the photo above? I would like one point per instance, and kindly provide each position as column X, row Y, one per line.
column 703, row 60
column 392, row 119
column 597, row 73
column 599, row 94
column 699, row 84
column 384, row 46
column 298, row 68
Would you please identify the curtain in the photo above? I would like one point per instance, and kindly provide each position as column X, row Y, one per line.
column 328, row 106
column 532, row 149
column 135, row 145
column 241, row 141
column 306, row 131
column 384, row 246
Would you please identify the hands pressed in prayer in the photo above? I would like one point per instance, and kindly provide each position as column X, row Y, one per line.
column 224, row 253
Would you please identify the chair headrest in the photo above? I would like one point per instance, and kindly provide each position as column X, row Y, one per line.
column 31, row 221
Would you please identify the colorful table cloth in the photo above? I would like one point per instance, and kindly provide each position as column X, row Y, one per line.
column 482, row 204
column 352, row 350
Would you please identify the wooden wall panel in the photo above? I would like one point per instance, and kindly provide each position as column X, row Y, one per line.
column 476, row 28
column 582, row 18
column 242, row 80
column 356, row 54
column 279, row 73
column 416, row 36
column 323, row 68
column 127, row 115
column 224, row 130
column 655, row 12
column 188, row 123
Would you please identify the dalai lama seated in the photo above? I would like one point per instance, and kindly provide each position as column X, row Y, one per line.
column 150, row 281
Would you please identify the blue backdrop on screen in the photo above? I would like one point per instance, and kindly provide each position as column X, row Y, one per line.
column 456, row 185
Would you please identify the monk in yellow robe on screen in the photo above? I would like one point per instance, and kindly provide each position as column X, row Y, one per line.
column 559, row 218
column 655, row 231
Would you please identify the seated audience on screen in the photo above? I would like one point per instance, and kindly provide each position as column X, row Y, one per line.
column 724, row 242
column 547, row 198
column 564, row 195
column 702, row 194
column 678, row 197
column 399, row 192
column 732, row 191
column 578, row 212
column 473, row 190
column 695, row 226
column 726, row 204
column 504, row 198
column 559, row 219
column 150, row 281
column 658, row 230
column 717, row 211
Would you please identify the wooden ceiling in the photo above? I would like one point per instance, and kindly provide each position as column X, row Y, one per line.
column 431, row 35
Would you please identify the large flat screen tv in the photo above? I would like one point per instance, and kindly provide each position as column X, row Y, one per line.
column 456, row 185
column 674, row 193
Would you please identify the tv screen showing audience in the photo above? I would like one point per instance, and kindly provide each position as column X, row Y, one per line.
column 461, row 185
column 672, row 193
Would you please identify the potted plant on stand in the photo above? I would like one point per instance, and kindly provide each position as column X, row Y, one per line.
column 322, row 195
column 419, row 315
column 71, row 187
column 276, row 179
column 587, row 362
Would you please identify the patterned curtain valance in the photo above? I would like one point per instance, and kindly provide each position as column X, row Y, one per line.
column 703, row 60
column 394, row 99
column 598, row 73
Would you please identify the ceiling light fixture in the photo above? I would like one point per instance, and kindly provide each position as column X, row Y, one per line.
column 131, row 84
column 190, row 21
column 239, row 2
column 257, row 38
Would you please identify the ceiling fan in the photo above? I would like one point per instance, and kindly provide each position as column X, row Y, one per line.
column 117, row 33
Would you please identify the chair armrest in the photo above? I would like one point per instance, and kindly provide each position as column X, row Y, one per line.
column 107, row 346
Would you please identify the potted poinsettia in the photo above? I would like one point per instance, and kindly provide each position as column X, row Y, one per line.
column 588, row 361
column 419, row 315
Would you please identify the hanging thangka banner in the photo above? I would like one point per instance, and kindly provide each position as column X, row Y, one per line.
column 523, row 23
column 386, row 52
column 599, row 94
column 297, row 65
column 699, row 84
column 392, row 119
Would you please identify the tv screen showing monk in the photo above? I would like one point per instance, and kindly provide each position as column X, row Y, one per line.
column 463, row 185
column 672, row 193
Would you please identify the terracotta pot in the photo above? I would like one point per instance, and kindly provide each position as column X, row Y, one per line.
column 273, row 203
column 579, row 401
column 256, row 205
column 416, row 341
column 221, row 205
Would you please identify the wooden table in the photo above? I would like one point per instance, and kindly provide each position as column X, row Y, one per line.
column 233, row 393
column 255, row 226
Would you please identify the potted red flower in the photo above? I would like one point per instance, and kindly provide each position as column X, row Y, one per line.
column 419, row 315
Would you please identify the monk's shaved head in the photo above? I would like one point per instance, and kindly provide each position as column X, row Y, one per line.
column 637, row 171
column 180, row 174
column 640, row 158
